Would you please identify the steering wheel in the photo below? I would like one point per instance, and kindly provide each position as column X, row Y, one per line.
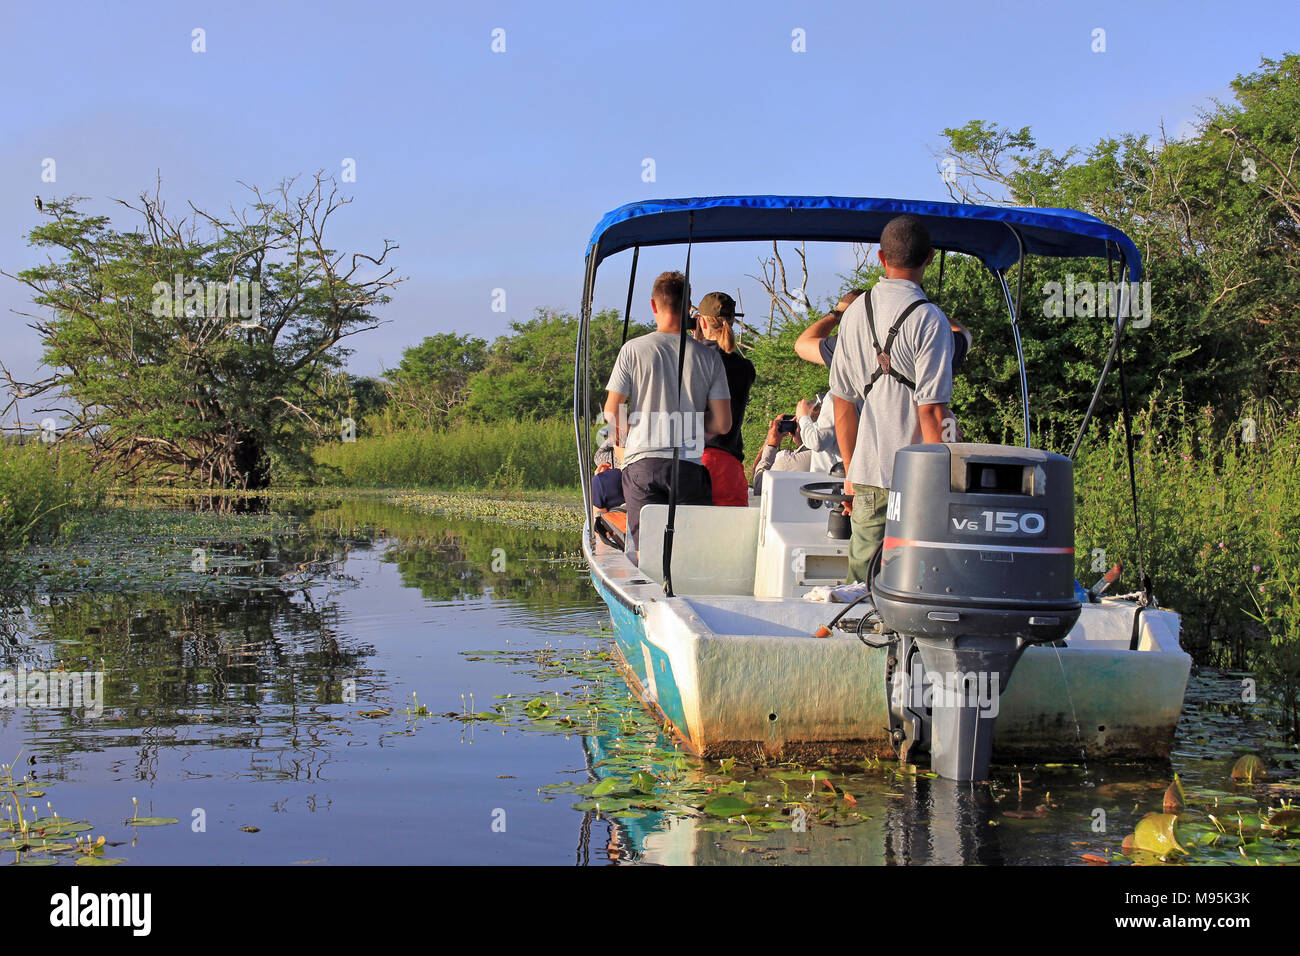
column 831, row 491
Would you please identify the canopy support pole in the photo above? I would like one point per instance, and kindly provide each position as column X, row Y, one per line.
column 1148, row 596
column 1020, row 354
column 1110, row 359
column 631, row 284
column 1014, row 307
column 582, row 393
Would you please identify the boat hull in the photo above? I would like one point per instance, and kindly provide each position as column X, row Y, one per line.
column 732, row 676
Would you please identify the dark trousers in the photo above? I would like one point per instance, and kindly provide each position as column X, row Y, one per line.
column 646, row 482
column 607, row 489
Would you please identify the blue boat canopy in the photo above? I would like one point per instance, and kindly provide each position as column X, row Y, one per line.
column 987, row 232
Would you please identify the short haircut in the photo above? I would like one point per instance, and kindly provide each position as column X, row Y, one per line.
column 905, row 242
column 669, row 290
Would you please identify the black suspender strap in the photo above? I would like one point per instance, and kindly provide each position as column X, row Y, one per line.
column 883, row 365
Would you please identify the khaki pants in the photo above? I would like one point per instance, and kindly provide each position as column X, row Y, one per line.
column 868, row 523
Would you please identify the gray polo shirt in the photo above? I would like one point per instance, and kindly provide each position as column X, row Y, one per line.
column 922, row 351
column 646, row 372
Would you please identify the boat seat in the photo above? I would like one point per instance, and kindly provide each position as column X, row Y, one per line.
column 612, row 528
column 714, row 548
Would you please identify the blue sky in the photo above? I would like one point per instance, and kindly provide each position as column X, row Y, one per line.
column 490, row 169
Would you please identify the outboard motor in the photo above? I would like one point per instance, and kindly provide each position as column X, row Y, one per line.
column 977, row 564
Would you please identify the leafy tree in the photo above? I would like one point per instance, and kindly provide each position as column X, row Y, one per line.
column 432, row 379
column 1217, row 219
column 200, row 346
column 529, row 373
column 367, row 397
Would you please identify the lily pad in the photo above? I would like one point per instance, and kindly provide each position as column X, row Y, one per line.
column 719, row 826
column 1155, row 833
column 1288, row 820
column 57, row 826
column 1174, row 799
column 728, row 807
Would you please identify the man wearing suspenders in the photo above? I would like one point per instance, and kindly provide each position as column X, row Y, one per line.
column 895, row 354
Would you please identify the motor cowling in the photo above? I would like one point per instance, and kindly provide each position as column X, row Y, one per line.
column 977, row 563
column 979, row 540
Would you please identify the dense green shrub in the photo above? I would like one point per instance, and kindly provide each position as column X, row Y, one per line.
column 42, row 486
column 1219, row 506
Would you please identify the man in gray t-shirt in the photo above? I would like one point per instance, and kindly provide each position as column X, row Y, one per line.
column 894, row 414
column 651, row 419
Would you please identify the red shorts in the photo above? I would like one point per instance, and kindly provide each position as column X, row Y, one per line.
column 728, row 477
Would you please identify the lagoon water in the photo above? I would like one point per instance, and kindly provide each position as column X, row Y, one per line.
column 319, row 692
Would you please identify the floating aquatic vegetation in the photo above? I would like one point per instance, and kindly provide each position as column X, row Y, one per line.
column 1175, row 799
column 147, row 549
column 139, row 821
column 1248, row 768
column 35, row 840
column 1204, row 825
column 637, row 773
column 536, row 510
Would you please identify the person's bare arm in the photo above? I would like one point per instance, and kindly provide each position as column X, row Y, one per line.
column 717, row 420
column 932, row 418
column 773, row 441
column 618, row 424
column 846, row 433
column 808, row 345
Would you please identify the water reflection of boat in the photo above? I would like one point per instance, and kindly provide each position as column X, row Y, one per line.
column 709, row 619
column 931, row 821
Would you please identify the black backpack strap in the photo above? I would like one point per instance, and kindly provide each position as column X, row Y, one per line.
column 883, row 364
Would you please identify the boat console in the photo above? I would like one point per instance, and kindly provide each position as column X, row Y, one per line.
column 778, row 547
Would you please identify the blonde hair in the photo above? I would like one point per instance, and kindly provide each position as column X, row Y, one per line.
column 720, row 331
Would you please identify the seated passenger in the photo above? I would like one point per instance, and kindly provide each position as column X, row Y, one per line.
column 817, row 449
column 607, row 485
column 816, row 421
column 724, row 455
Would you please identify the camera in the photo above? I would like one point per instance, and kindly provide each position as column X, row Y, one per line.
column 787, row 425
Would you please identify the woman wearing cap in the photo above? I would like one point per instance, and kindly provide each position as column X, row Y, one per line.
column 724, row 455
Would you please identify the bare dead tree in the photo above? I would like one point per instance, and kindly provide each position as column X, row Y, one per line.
column 790, row 304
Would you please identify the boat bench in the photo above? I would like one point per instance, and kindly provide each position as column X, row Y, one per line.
column 699, row 566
